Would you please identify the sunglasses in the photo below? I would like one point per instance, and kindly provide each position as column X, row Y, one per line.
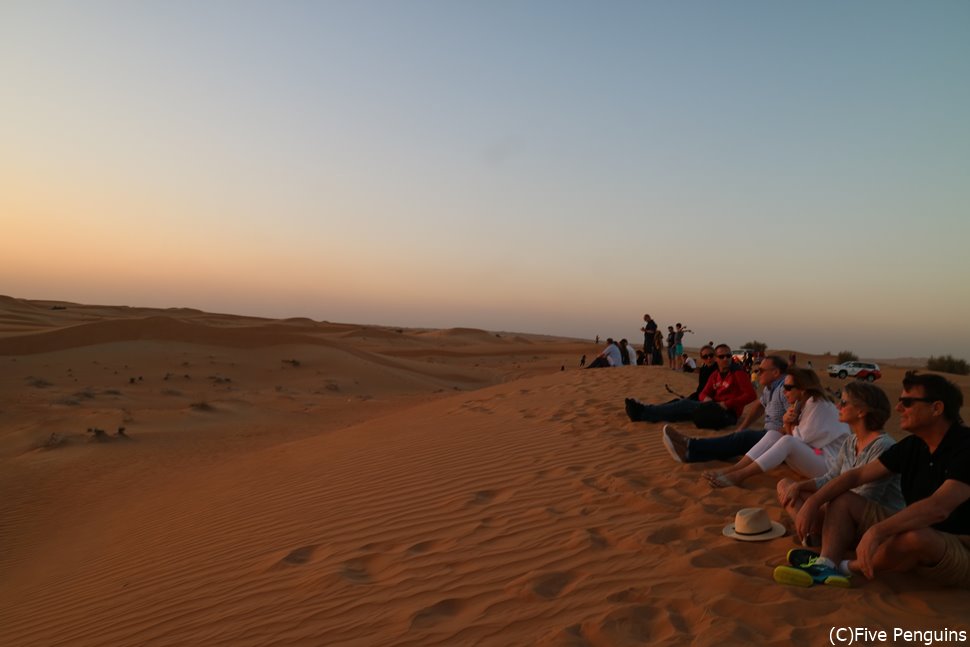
column 707, row 355
column 908, row 402
column 723, row 356
column 788, row 387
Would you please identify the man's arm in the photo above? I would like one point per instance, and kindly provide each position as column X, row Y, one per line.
column 871, row 471
column 744, row 393
column 707, row 393
column 751, row 414
column 922, row 514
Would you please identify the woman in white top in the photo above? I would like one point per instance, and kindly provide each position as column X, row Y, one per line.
column 809, row 442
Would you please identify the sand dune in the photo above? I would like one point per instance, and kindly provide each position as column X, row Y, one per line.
column 338, row 494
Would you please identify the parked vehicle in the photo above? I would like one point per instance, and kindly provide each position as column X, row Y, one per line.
column 860, row 370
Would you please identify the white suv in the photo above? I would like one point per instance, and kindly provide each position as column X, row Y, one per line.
column 861, row 370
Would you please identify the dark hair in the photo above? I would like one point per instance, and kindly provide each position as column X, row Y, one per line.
column 778, row 362
column 728, row 346
column 937, row 387
column 807, row 380
column 874, row 400
column 624, row 351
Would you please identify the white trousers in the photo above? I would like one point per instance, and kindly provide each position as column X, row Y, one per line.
column 776, row 448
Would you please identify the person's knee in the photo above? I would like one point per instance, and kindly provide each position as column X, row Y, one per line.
column 846, row 508
column 908, row 542
column 909, row 549
column 921, row 543
column 785, row 444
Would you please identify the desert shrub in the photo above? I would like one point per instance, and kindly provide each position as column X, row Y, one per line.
column 847, row 356
column 759, row 346
column 948, row 364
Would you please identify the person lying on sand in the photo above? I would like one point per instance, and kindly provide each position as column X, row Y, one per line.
column 772, row 403
column 865, row 408
column 728, row 387
column 931, row 535
column 810, row 442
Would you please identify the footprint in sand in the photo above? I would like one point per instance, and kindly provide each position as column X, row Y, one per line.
column 551, row 585
column 483, row 496
column 421, row 547
column 637, row 623
column 597, row 539
column 430, row 616
column 633, row 478
column 360, row 570
column 667, row 535
column 488, row 496
column 301, row 555
column 594, row 483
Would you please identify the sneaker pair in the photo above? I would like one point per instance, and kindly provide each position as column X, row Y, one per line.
column 804, row 570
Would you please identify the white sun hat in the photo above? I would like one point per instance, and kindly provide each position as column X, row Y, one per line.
column 753, row 524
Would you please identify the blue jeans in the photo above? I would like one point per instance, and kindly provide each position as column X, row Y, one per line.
column 722, row 448
column 676, row 411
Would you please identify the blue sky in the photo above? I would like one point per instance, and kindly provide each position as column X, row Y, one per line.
column 791, row 172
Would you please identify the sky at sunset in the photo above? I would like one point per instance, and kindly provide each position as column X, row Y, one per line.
column 797, row 173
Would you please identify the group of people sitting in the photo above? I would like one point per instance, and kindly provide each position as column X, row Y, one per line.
column 902, row 506
column 617, row 353
column 622, row 353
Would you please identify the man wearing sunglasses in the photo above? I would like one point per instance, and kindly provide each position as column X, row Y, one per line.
column 728, row 389
column 932, row 533
column 772, row 403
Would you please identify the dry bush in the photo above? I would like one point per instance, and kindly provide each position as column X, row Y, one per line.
column 847, row 356
column 948, row 364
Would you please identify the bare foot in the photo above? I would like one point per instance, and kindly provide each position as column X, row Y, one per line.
column 722, row 481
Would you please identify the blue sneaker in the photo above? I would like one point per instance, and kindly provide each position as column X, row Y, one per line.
column 793, row 576
column 810, row 573
column 801, row 556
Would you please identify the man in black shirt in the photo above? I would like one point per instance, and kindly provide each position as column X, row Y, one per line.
column 932, row 533
column 649, row 328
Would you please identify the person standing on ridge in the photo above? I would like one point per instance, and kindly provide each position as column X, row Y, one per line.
column 649, row 328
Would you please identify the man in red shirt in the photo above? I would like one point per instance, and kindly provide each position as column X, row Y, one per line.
column 729, row 387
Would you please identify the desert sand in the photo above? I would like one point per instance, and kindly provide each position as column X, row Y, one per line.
column 292, row 482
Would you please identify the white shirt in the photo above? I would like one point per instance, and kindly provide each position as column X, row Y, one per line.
column 819, row 424
column 613, row 356
column 690, row 362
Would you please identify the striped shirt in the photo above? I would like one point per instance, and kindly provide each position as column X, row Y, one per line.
column 773, row 400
